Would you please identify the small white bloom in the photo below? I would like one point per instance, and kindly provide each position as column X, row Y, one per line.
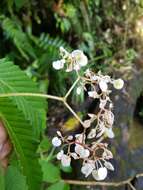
column 79, row 90
column 69, row 67
column 102, row 129
column 95, row 175
column 102, row 103
column 79, row 58
column 74, row 155
column 59, row 133
column 108, row 165
column 107, row 78
column 91, row 115
column 80, row 137
column 70, row 137
column 92, row 134
column 95, row 77
column 65, row 160
column 111, row 105
column 87, row 169
column 76, row 67
column 86, row 153
column 107, row 154
column 60, row 154
column 100, row 174
column 87, row 123
column 83, row 153
column 93, row 94
column 79, row 149
column 56, row 142
column 108, row 117
column 103, row 86
column 109, row 132
column 58, row 64
column 64, row 53
column 118, row 84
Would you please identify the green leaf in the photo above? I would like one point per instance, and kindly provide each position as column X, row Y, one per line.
column 20, row 3
column 21, row 135
column 59, row 186
column 15, row 180
column 12, row 79
column 66, row 169
column 51, row 173
column 45, row 145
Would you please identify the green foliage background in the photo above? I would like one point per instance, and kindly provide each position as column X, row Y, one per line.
column 31, row 33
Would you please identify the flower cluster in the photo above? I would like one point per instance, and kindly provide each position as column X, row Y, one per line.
column 88, row 145
column 72, row 61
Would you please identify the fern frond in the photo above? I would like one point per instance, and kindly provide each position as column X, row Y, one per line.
column 48, row 43
column 14, row 32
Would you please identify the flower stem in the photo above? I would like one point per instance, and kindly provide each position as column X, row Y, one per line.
column 72, row 87
column 31, row 94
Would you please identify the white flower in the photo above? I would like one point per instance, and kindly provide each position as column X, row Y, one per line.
column 76, row 67
column 92, row 134
column 107, row 154
column 87, row 123
column 80, row 137
column 95, row 77
column 59, row 133
column 102, row 103
column 101, row 131
column 56, row 142
column 74, row 155
column 87, row 168
column 108, row 165
column 91, row 115
column 99, row 174
column 81, row 151
column 58, row 64
column 70, row 137
column 107, row 78
column 64, row 53
column 109, row 132
column 79, row 90
column 86, row 153
column 103, row 86
column 60, row 154
column 118, row 84
column 65, row 160
column 93, row 94
column 79, row 58
column 108, row 117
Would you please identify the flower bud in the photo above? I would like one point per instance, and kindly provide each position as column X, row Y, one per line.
column 56, row 142
column 118, row 84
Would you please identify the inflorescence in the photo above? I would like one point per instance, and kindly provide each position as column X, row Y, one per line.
column 88, row 145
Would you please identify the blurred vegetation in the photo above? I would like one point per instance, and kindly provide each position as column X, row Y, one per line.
column 32, row 31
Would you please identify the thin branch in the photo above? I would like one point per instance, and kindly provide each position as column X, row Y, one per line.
column 96, row 183
column 71, row 88
column 62, row 99
column 139, row 175
column 31, row 94
column 72, row 111
column 132, row 187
